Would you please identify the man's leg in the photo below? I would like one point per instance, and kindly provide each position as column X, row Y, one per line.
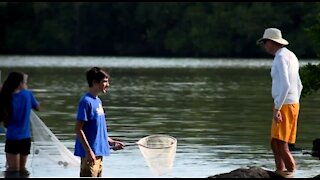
column 280, row 166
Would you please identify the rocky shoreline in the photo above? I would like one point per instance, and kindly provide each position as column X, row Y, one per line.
column 252, row 172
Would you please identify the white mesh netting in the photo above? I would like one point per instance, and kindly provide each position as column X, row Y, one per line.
column 46, row 145
column 159, row 152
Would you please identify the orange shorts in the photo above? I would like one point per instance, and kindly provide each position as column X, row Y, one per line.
column 287, row 129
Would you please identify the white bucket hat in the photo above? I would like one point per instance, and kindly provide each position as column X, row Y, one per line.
column 273, row 34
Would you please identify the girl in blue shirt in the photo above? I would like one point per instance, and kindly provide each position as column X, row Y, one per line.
column 16, row 102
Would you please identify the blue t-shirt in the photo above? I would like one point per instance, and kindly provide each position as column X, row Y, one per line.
column 90, row 111
column 19, row 125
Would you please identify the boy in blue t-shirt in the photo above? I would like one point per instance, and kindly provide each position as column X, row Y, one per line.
column 92, row 140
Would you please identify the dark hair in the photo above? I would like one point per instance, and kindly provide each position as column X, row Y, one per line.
column 10, row 84
column 96, row 74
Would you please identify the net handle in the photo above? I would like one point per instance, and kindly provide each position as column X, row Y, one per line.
column 142, row 145
column 137, row 144
column 132, row 144
column 127, row 145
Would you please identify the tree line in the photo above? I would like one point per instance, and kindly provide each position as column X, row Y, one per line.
column 154, row 29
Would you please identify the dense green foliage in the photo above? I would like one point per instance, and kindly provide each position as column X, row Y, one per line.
column 167, row 29
column 161, row 29
column 310, row 77
column 310, row 73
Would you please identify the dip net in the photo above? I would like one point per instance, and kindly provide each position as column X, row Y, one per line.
column 159, row 152
column 46, row 146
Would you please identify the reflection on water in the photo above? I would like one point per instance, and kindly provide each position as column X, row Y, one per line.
column 219, row 113
column 133, row 62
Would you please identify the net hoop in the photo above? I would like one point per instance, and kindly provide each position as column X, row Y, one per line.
column 146, row 142
column 159, row 152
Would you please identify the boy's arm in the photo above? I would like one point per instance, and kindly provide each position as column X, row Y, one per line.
column 82, row 137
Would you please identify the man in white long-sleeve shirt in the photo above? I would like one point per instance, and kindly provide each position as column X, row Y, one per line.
column 286, row 91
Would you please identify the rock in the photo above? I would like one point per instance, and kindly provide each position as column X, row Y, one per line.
column 317, row 177
column 252, row 172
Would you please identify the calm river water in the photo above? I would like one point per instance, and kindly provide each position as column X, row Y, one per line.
column 219, row 110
